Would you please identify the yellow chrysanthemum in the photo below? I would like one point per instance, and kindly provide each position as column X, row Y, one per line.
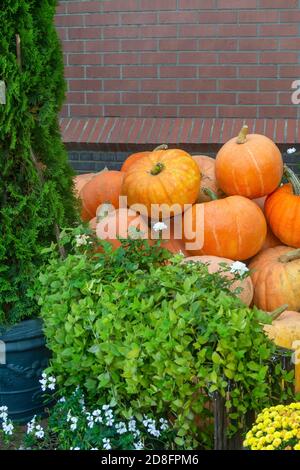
column 277, row 442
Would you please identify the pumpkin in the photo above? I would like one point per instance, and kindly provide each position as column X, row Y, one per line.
column 121, row 223
column 282, row 209
column 136, row 156
column 93, row 224
column 249, row 165
column 208, row 178
column 105, row 187
column 171, row 236
column 275, row 274
column 214, row 264
column 233, row 228
column 170, row 178
column 81, row 180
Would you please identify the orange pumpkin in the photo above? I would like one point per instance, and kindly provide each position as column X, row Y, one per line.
column 81, row 180
column 164, row 177
column 275, row 274
column 208, row 178
column 270, row 240
column 249, row 165
column 233, row 228
column 136, row 156
column 105, row 187
column 121, row 223
column 282, row 210
column 171, row 238
column 214, row 264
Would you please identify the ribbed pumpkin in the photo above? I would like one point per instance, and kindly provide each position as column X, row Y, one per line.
column 81, row 180
column 214, row 264
column 249, row 165
column 137, row 156
column 282, row 209
column 105, row 187
column 275, row 274
column 121, row 223
column 164, row 177
column 233, row 228
column 208, row 178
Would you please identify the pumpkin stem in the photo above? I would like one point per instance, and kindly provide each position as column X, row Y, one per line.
column 160, row 147
column 293, row 179
column 278, row 311
column 210, row 193
column 290, row 256
column 158, row 168
column 242, row 137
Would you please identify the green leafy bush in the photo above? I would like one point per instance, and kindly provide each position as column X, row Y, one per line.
column 162, row 337
column 29, row 129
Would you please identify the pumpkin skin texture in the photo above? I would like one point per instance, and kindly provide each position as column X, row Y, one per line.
column 105, row 187
column 81, row 180
column 276, row 281
column 132, row 159
column 213, row 262
column 169, row 177
column 252, row 168
column 208, row 177
column 234, row 228
column 282, row 209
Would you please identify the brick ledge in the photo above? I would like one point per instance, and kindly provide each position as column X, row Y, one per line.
column 124, row 134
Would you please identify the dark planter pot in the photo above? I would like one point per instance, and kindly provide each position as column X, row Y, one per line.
column 26, row 356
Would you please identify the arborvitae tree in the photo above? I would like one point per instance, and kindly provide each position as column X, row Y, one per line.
column 36, row 194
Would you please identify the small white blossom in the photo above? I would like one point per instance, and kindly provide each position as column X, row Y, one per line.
column 159, row 226
column 62, row 400
column 94, row 448
column 82, row 240
column 3, row 412
column 47, row 382
column 31, row 425
column 238, row 268
column 121, row 428
column 138, row 445
column 74, row 421
column 163, row 424
column 291, row 150
column 39, row 432
column 90, row 420
column 7, row 427
column 105, row 407
column 110, row 422
column 74, row 448
column 132, row 425
column 106, row 444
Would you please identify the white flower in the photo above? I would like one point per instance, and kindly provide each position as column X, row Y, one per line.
column 238, row 268
column 159, row 226
column 82, row 240
column 7, row 427
column 90, row 420
column 47, row 382
column 291, row 150
column 121, row 428
column 94, row 448
column 74, row 421
column 106, row 444
column 62, row 400
column 138, row 445
column 109, row 422
column 74, row 448
column 39, row 432
column 163, row 424
column 105, row 407
column 96, row 413
column 31, row 425
column 3, row 412
column 69, row 416
column 132, row 425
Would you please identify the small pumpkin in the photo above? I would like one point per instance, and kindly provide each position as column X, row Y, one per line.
column 167, row 179
column 282, row 209
column 137, row 156
column 216, row 264
column 81, row 180
column 250, row 165
column 208, row 178
column 105, row 187
column 275, row 274
column 233, row 228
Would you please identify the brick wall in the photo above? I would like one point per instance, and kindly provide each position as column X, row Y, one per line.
column 180, row 58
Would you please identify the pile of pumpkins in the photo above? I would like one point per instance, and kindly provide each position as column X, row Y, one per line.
column 249, row 214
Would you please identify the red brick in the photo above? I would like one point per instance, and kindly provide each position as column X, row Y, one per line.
column 259, row 16
column 227, row 130
column 137, row 71
column 260, row 126
column 292, row 71
column 122, row 59
column 278, row 4
column 290, row 17
column 197, row 58
column 177, row 98
column 85, row 59
column 197, row 85
column 62, row 33
column 84, row 33
column 179, row 17
column 119, row 5
column 195, row 4
column 238, row 57
column 137, row 129
column 197, row 111
column 186, row 130
column 278, row 111
column 158, row 5
column 102, row 19
column 138, row 18
column 285, row 98
column 178, row 72
column 82, row 123
column 229, row 30
column 120, row 32
column 159, row 111
column 196, row 130
column 102, row 45
column 164, row 131
column 174, row 131
column 102, row 72
column 86, row 110
column 158, row 85
column 270, row 128
column 128, row 124
column 278, row 30
column 237, row 112
column 152, row 136
column 217, row 71
column 74, row 72
column 121, row 84
column 69, row 20
column 87, row 130
column 279, row 57
column 178, row 45
column 290, row 43
column 117, row 131
column 122, row 111
column 237, row 85
column 61, row 8
column 107, row 129
column 139, row 44
column 218, row 44
column 206, row 130
column 279, row 129
column 84, row 7
column 275, row 85
column 73, row 46
column 216, row 17
column 85, row 85
column 216, row 131
column 104, row 97
column 150, row 58
column 95, row 133
column 217, row 98
column 257, row 44
column 257, row 71
column 232, row 4
column 291, row 133
column 64, row 124
column 257, row 98
column 198, row 30
column 139, row 98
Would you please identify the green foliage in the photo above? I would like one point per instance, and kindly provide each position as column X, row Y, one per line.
column 163, row 338
column 28, row 121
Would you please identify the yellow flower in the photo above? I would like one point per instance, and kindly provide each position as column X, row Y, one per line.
column 277, row 442
column 288, row 435
column 277, row 435
column 297, row 446
column 270, row 448
column 259, row 434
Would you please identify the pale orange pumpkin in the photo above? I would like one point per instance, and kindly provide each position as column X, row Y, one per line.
column 168, row 179
column 137, row 156
column 216, row 264
column 249, row 165
column 208, row 178
column 105, row 187
column 275, row 274
column 81, row 180
column 233, row 228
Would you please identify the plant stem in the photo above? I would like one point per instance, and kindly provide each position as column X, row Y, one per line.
column 158, row 168
column 210, row 193
column 278, row 311
column 242, row 137
column 293, row 179
column 160, row 147
column 290, row 256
